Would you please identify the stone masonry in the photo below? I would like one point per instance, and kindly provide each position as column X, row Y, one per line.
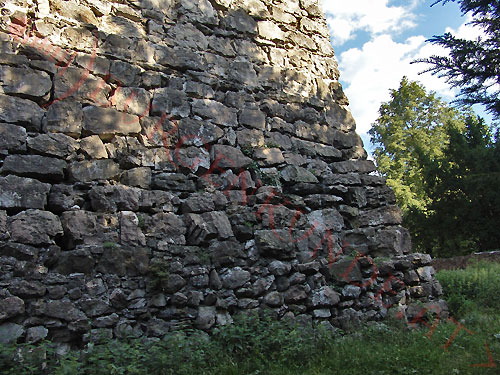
column 167, row 164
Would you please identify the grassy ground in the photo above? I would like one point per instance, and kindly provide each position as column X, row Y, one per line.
column 466, row 345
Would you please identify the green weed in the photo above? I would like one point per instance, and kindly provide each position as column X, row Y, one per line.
column 158, row 272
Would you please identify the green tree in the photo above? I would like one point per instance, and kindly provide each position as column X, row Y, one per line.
column 444, row 166
column 463, row 185
column 411, row 127
column 472, row 65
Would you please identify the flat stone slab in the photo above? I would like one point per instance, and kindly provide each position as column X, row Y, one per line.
column 106, row 122
column 86, row 171
column 25, row 81
column 41, row 167
column 19, row 192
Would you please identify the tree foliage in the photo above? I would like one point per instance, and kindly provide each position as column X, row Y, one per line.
column 464, row 186
column 444, row 167
column 410, row 127
column 472, row 65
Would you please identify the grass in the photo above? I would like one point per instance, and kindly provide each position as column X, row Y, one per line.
column 264, row 346
column 473, row 289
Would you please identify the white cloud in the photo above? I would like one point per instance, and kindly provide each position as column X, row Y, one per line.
column 346, row 17
column 379, row 66
column 466, row 31
column 371, row 70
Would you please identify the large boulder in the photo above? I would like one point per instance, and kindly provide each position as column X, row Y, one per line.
column 325, row 297
column 277, row 243
column 206, row 317
column 77, row 84
column 93, row 147
column 198, row 133
column 198, row 203
column 167, row 227
column 296, row 294
column 135, row 100
column 138, row 177
column 19, row 251
column 89, row 228
column 173, row 102
column 4, row 234
column 346, row 271
column 200, row 11
column 217, row 112
column 253, row 118
column 235, row 278
column 64, row 198
column 34, row 227
column 11, row 307
column 349, row 166
column 326, row 220
column 389, row 215
column 27, row 289
column 293, row 174
column 279, row 268
column 21, row 111
column 12, row 138
column 64, row 310
column 124, row 261
column 226, row 253
column 173, row 181
column 194, row 159
column 114, row 198
column 75, row 261
column 130, row 232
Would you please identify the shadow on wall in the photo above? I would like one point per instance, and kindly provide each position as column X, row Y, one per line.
column 190, row 142
column 146, row 81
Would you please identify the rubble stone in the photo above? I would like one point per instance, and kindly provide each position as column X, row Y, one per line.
column 12, row 138
column 20, row 192
column 20, row 111
column 64, row 117
column 10, row 307
column 34, row 227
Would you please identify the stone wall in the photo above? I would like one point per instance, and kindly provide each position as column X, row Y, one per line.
column 464, row 261
column 167, row 164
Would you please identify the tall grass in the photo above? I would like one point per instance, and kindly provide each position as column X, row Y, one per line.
column 476, row 287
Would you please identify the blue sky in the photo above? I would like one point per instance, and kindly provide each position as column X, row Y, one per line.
column 375, row 41
column 428, row 21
